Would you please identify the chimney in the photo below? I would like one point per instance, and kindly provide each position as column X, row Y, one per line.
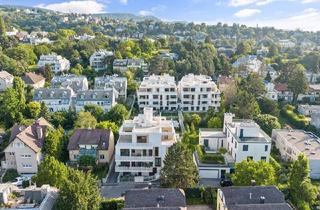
column 149, row 185
column 253, row 182
column 39, row 130
column 262, row 199
column 250, row 196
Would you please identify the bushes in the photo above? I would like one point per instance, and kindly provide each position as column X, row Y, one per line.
column 86, row 160
column 10, row 175
column 214, row 158
column 196, row 196
column 112, row 204
column 299, row 121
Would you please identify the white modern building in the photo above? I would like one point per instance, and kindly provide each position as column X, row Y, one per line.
column 56, row 99
column 98, row 59
column 158, row 92
column 6, row 80
column 197, row 93
column 109, row 82
column 307, row 110
column 142, row 145
column 271, row 92
column 123, row 65
column 103, row 98
column 292, row 143
column 56, row 62
column 76, row 83
column 286, row 44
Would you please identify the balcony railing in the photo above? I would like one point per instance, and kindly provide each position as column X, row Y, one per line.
column 132, row 169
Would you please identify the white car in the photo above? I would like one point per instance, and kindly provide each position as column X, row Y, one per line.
column 19, row 180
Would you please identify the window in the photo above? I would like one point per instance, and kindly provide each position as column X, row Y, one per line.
column 263, row 158
column 235, row 145
column 265, row 147
column 75, row 156
column 101, row 157
column 11, row 153
column 25, row 156
column 245, row 147
column 124, row 152
column 150, row 152
column 157, row 162
column 141, row 139
column 156, row 151
column 26, row 165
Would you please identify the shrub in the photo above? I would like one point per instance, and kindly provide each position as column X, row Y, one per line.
column 112, row 204
column 25, row 184
column 87, row 160
column 214, row 158
column 10, row 175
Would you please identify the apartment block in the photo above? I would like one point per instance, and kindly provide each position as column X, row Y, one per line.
column 56, row 62
column 109, row 82
column 197, row 93
column 98, row 59
column 103, row 98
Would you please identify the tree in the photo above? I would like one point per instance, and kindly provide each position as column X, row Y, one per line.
column 2, row 27
column 215, row 122
column 301, row 190
column 262, row 172
column 267, row 122
column 33, row 109
column 95, row 110
column 18, row 86
column 10, row 111
column 54, row 143
column 109, row 125
column 253, row 84
column 195, row 119
column 117, row 114
column 311, row 62
column 244, row 99
column 87, row 160
column 79, row 192
column 44, row 111
column 268, row 106
column 22, row 53
column 297, row 82
column 85, row 120
column 268, row 77
column 244, row 47
column 179, row 169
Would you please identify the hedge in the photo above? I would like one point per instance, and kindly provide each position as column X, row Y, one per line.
column 112, row 204
column 213, row 158
column 196, row 196
column 10, row 175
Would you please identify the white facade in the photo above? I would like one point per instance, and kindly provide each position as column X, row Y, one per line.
column 197, row 93
column 103, row 98
column 291, row 143
column 211, row 139
column 250, row 62
column 142, row 145
column 285, row 43
column 118, row 83
column 307, row 109
column 6, row 80
column 97, row 59
column 158, row 92
column 271, row 93
column 57, row 62
column 76, row 83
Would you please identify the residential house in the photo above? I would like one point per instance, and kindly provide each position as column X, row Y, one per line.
column 227, row 51
column 313, row 77
column 109, row 82
column 33, row 80
column 312, row 94
column 57, row 63
column 98, row 59
column 169, row 56
column 262, row 51
column 292, row 143
column 123, row 65
column 159, row 92
column 283, row 92
column 197, row 93
column 248, row 64
column 56, row 99
column 271, row 92
column 307, row 110
column 6, row 80
column 155, row 198
column 97, row 143
column 76, row 83
column 142, row 145
column 286, row 44
column 24, row 150
column 251, row 198
column 103, row 98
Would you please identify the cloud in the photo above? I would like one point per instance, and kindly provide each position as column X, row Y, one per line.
column 307, row 13
column 247, row 13
column 145, row 13
column 153, row 10
column 123, row 1
column 236, row 3
column 83, row 7
column 309, row 1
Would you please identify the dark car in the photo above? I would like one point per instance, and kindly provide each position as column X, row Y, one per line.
column 226, row 183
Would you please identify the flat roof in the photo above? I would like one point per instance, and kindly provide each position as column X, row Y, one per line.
column 211, row 133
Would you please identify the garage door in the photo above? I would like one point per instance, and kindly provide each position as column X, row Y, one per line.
column 208, row 174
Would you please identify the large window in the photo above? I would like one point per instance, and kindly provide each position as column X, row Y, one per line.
column 245, row 147
column 124, row 152
column 265, row 147
column 157, row 162
column 141, row 139
column 156, row 151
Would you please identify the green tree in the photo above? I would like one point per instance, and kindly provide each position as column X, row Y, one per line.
column 253, row 84
column 33, row 109
column 85, row 120
column 44, row 111
column 18, row 86
column 268, row 77
column 268, row 106
column 79, row 192
column 54, row 143
column 267, row 122
column 23, row 53
column 87, row 160
column 10, row 111
column 215, row 122
column 196, row 119
column 262, row 172
column 2, row 27
column 297, row 82
column 244, row 99
column 117, row 114
column 244, row 47
column 95, row 110
column 179, row 170
column 109, row 125
column 301, row 191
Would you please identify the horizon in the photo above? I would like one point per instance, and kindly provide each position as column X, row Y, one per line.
column 286, row 14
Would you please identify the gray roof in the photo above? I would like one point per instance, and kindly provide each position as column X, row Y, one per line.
column 70, row 80
column 148, row 198
column 98, row 137
column 119, row 83
column 95, row 95
column 239, row 197
column 266, row 206
column 52, row 93
column 128, row 62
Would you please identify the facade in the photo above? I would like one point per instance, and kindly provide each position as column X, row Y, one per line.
column 271, row 93
column 24, row 150
column 307, row 109
column 248, row 64
column 103, row 98
column 123, row 65
column 6, row 80
column 142, row 145
column 312, row 94
column 109, row 82
column 211, row 139
column 251, row 198
column 292, row 143
column 158, row 92
column 157, row 198
column 197, row 93
column 98, row 143
column 98, row 59
column 56, row 99
column 56, row 62
column 76, row 83
column 283, row 92
column 34, row 80
column 286, row 44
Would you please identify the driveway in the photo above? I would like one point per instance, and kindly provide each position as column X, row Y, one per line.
column 198, row 207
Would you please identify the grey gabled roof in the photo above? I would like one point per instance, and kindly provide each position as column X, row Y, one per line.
column 95, row 95
column 99, row 137
column 148, row 198
column 52, row 93
column 266, row 206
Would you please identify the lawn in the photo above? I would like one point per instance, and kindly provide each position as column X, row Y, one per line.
column 209, row 158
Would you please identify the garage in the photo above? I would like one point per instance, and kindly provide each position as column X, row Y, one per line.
column 209, row 173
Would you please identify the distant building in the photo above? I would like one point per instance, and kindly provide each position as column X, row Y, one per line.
column 286, row 44
column 155, row 198
column 98, row 59
column 24, row 150
column 313, row 77
column 6, row 80
column 271, row 92
column 76, row 83
column 56, row 62
column 56, row 99
column 110, row 82
column 33, row 80
column 197, row 93
column 158, row 92
column 283, row 92
column 251, row 198
column 248, row 64
column 123, row 65
column 97, row 143
column 103, row 98
column 307, row 110
column 292, row 143
column 312, row 94
column 169, row 56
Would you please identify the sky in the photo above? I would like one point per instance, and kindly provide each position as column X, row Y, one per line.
column 285, row 14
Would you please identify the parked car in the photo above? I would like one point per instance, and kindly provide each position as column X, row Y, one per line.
column 19, row 180
column 226, row 183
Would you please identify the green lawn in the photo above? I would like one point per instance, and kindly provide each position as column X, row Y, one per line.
column 209, row 158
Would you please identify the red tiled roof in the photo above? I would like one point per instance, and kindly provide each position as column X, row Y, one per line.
column 281, row 87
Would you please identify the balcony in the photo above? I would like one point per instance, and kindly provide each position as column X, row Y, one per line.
column 134, row 158
column 88, row 152
column 133, row 169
